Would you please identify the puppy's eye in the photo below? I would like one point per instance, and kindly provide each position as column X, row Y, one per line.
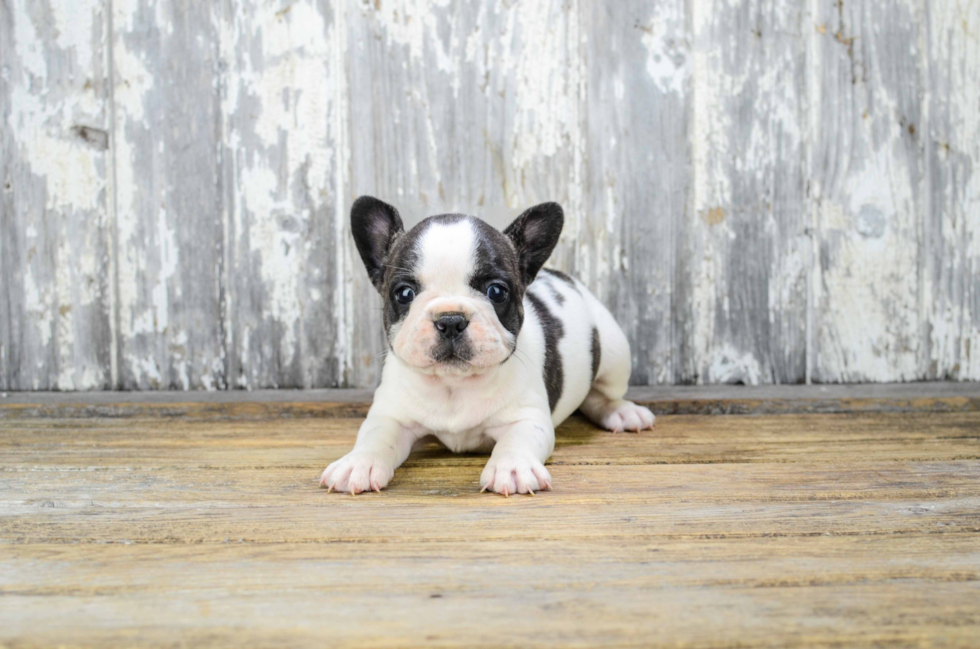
column 404, row 294
column 497, row 293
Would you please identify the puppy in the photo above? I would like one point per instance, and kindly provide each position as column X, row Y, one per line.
column 487, row 350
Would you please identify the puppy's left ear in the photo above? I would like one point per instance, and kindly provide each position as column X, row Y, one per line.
column 375, row 226
column 535, row 234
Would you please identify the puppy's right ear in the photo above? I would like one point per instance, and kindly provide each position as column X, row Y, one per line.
column 375, row 226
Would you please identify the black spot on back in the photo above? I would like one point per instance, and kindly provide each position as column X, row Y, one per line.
column 596, row 353
column 555, row 293
column 562, row 276
column 554, row 375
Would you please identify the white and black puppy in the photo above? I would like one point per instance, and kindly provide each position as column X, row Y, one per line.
column 486, row 352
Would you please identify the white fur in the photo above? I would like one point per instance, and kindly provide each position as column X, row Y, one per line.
column 446, row 257
column 503, row 406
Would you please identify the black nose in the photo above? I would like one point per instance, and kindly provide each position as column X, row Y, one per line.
column 451, row 325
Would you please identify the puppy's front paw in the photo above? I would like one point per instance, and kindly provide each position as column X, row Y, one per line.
column 626, row 415
column 357, row 472
column 514, row 474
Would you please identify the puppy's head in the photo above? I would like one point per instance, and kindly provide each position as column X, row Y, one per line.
column 453, row 286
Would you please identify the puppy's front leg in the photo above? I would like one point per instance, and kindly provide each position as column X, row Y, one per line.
column 382, row 445
column 517, row 462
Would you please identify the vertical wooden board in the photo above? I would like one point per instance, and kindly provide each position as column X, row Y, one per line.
column 170, row 235
column 637, row 170
column 473, row 106
column 280, row 161
column 951, row 245
column 742, row 255
column 867, row 175
column 55, row 326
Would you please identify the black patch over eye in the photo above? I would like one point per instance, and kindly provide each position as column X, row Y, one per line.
column 497, row 293
column 404, row 294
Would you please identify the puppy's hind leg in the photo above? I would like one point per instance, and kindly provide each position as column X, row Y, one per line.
column 605, row 404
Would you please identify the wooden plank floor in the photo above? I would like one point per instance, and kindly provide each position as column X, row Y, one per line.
column 799, row 530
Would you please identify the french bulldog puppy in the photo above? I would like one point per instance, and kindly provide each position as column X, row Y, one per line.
column 488, row 351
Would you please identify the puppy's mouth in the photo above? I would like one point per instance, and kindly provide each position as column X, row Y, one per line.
column 454, row 354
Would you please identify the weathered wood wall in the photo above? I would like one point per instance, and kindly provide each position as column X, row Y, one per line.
column 762, row 190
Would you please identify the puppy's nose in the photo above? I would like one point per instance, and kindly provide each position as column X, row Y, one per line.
column 451, row 325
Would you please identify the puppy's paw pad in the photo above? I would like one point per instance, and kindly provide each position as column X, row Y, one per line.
column 514, row 474
column 626, row 415
column 357, row 472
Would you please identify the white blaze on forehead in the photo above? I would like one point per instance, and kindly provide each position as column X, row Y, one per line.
column 447, row 254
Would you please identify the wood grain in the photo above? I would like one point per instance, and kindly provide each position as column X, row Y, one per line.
column 283, row 209
column 950, row 242
column 637, row 177
column 803, row 530
column 867, row 168
column 55, row 197
column 743, row 261
column 762, row 192
column 167, row 136
column 662, row 400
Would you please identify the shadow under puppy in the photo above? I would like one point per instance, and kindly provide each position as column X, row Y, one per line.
column 487, row 350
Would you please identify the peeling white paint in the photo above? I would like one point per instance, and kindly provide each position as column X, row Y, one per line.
column 64, row 330
column 665, row 38
column 290, row 100
column 868, row 324
column 712, row 189
column 546, row 107
column 344, row 288
column 730, row 365
column 952, row 301
column 41, row 125
column 37, row 301
column 291, row 136
column 57, row 191
column 29, row 47
column 132, row 84
column 414, row 23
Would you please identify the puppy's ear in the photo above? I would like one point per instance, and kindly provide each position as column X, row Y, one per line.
column 535, row 234
column 375, row 226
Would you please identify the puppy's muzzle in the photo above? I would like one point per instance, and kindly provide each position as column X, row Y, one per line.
column 451, row 325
